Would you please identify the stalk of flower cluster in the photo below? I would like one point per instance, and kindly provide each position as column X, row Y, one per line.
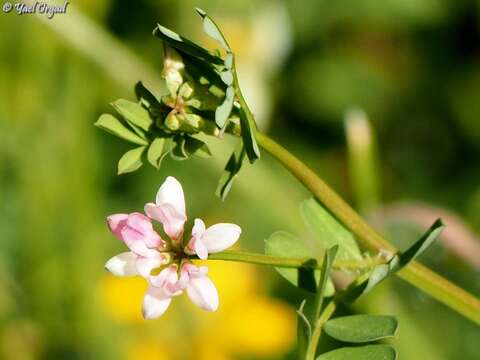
column 285, row 262
column 416, row 274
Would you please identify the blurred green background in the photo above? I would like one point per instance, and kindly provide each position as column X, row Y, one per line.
column 412, row 65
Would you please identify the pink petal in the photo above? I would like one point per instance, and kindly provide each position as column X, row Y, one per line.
column 140, row 248
column 155, row 303
column 123, row 264
column 220, row 237
column 116, row 222
column 203, row 293
column 141, row 224
column 167, row 280
column 146, row 265
column 171, row 219
column 171, row 192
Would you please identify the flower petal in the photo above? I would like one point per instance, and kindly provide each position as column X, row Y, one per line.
column 143, row 225
column 155, row 303
column 198, row 228
column 171, row 192
column 146, row 265
column 140, row 248
column 200, row 249
column 172, row 220
column 219, row 237
column 116, row 222
column 203, row 293
column 123, row 264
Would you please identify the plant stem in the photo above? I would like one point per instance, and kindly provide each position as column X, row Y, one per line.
column 317, row 330
column 260, row 259
column 416, row 274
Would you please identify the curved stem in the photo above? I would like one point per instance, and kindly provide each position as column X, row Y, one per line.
column 415, row 273
column 317, row 330
column 260, row 259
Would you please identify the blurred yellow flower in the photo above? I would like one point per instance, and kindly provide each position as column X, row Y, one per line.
column 248, row 322
column 122, row 297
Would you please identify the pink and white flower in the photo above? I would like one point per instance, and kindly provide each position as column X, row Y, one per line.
column 149, row 251
column 137, row 232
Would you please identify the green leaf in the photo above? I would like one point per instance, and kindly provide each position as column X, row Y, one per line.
column 231, row 171
column 304, row 331
column 227, row 77
column 327, row 264
column 179, row 152
column 145, row 96
column 212, row 30
column 328, row 231
column 131, row 160
column 134, row 113
column 396, row 263
column 184, row 45
column 111, row 124
column 247, row 125
column 369, row 352
column 223, row 111
column 284, row 244
column 361, row 328
column 194, row 146
column 155, row 153
column 421, row 244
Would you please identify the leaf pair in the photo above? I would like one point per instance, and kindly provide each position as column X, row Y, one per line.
column 327, row 232
column 396, row 263
column 361, row 329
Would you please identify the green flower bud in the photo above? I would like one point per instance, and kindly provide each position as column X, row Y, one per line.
column 172, row 122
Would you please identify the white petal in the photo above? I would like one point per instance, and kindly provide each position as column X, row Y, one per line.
column 198, row 228
column 220, row 237
column 146, row 265
column 203, row 293
column 200, row 249
column 155, row 303
column 123, row 264
column 171, row 192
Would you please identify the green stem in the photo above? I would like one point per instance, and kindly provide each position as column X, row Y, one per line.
column 260, row 259
column 317, row 330
column 415, row 273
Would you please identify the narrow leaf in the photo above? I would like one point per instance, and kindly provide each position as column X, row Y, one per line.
column 304, row 331
column 328, row 231
column 155, row 152
column 231, row 171
column 327, row 264
column 223, row 111
column 369, row 352
column 397, row 262
column 247, row 126
column 194, row 146
column 131, row 160
column 134, row 113
column 145, row 96
column 111, row 124
column 184, row 45
column 284, row 244
column 212, row 30
column 422, row 244
column 361, row 328
column 179, row 152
